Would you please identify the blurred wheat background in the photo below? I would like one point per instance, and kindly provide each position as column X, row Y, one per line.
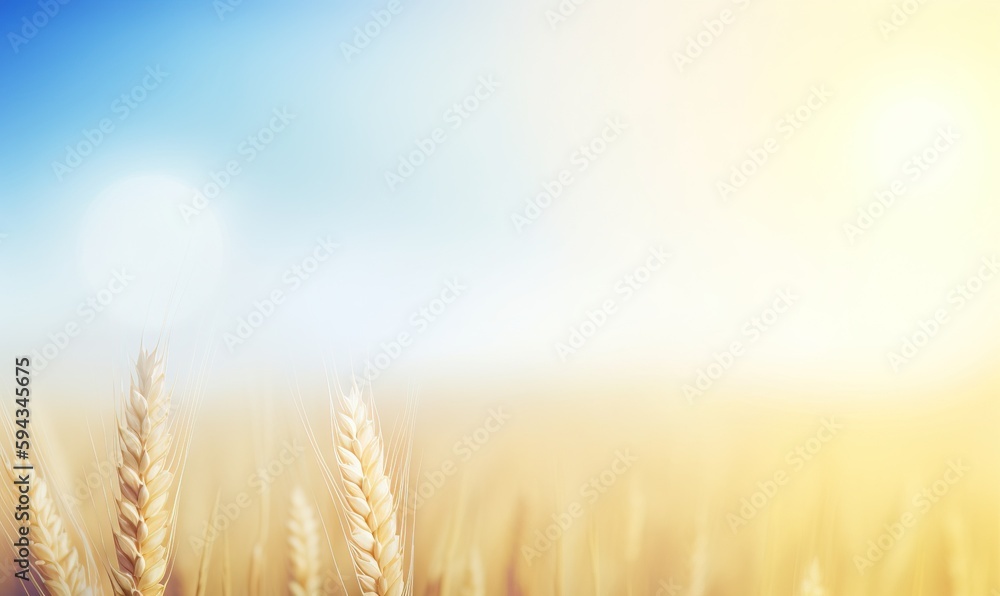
column 488, row 482
column 668, row 299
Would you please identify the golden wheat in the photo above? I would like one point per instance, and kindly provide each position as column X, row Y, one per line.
column 472, row 543
column 58, row 561
column 303, row 547
column 369, row 506
column 144, row 480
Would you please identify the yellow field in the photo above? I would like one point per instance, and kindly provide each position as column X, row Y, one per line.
column 607, row 490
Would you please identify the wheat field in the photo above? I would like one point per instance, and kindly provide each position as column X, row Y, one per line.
column 523, row 298
column 342, row 491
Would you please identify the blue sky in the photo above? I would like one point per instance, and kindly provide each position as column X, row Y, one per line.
column 223, row 79
column 323, row 174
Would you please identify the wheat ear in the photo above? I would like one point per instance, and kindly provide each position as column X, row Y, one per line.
column 57, row 558
column 303, row 547
column 144, row 480
column 370, row 509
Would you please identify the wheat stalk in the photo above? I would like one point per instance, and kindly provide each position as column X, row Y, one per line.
column 699, row 560
column 227, row 574
column 812, row 585
column 474, row 582
column 144, row 479
column 370, row 509
column 255, row 580
column 303, row 547
column 57, row 558
column 512, row 581
column 201, row 586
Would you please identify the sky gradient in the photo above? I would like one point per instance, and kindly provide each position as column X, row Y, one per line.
column 610, row 110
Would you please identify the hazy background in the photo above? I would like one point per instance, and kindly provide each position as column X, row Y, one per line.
column 323, row 176
column 119, row 227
